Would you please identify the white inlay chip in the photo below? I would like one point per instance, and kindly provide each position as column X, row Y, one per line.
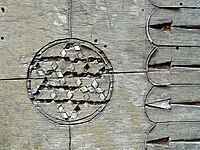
column 95, row 84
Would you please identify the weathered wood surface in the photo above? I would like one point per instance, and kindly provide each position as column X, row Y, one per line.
column 26, row 27
column 174, row 136
column 176, row 3
column 29, row 25
column 180, row 28
column 173, row 104
column 121, row 126
column 118, row 28
column 174, row 65
column 91, row 20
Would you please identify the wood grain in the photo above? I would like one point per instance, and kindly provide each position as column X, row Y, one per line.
column 174, row 65
column 175, row 104
column 121, row 125
column 174, row 27
column 176, row 3
column 165, row 136
column 118, row 28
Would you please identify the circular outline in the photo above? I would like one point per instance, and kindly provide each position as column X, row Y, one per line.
column 110, row 87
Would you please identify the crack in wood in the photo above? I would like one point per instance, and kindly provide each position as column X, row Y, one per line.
column 62, row 101
column 169, row 64
column 168, row 141
column 67, row 59
column 70, row 4
column 167, row 26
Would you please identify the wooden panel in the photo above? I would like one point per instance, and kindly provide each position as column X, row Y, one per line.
column 22, row 126
column 117, row 24
column 121, row 125
column 176, row 3
column 117, row 28
column 26, row 27
column 174, row 27
column 174, row 136
column 48, row 21
column 180, row 65
column 164, row 104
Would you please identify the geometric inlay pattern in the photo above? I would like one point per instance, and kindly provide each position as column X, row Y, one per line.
column 70, row 81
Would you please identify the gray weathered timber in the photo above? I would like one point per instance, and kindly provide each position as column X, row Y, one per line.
column 173, row 104
column 90, row 21
column 121, row 125
column 174, row 29
column 174, row 65
column 173, row 136
column 176, row 3
column 26, row 27
column 22, row 126
column 118, row 28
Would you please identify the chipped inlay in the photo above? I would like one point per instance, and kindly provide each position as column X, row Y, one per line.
column 70, row 81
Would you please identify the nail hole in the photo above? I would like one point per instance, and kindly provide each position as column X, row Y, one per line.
column 181, row 4
column 177, row 48
column 105, row 46
column 2, row 9
column 95, row 40
column 2, row 38
column 143, row 10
